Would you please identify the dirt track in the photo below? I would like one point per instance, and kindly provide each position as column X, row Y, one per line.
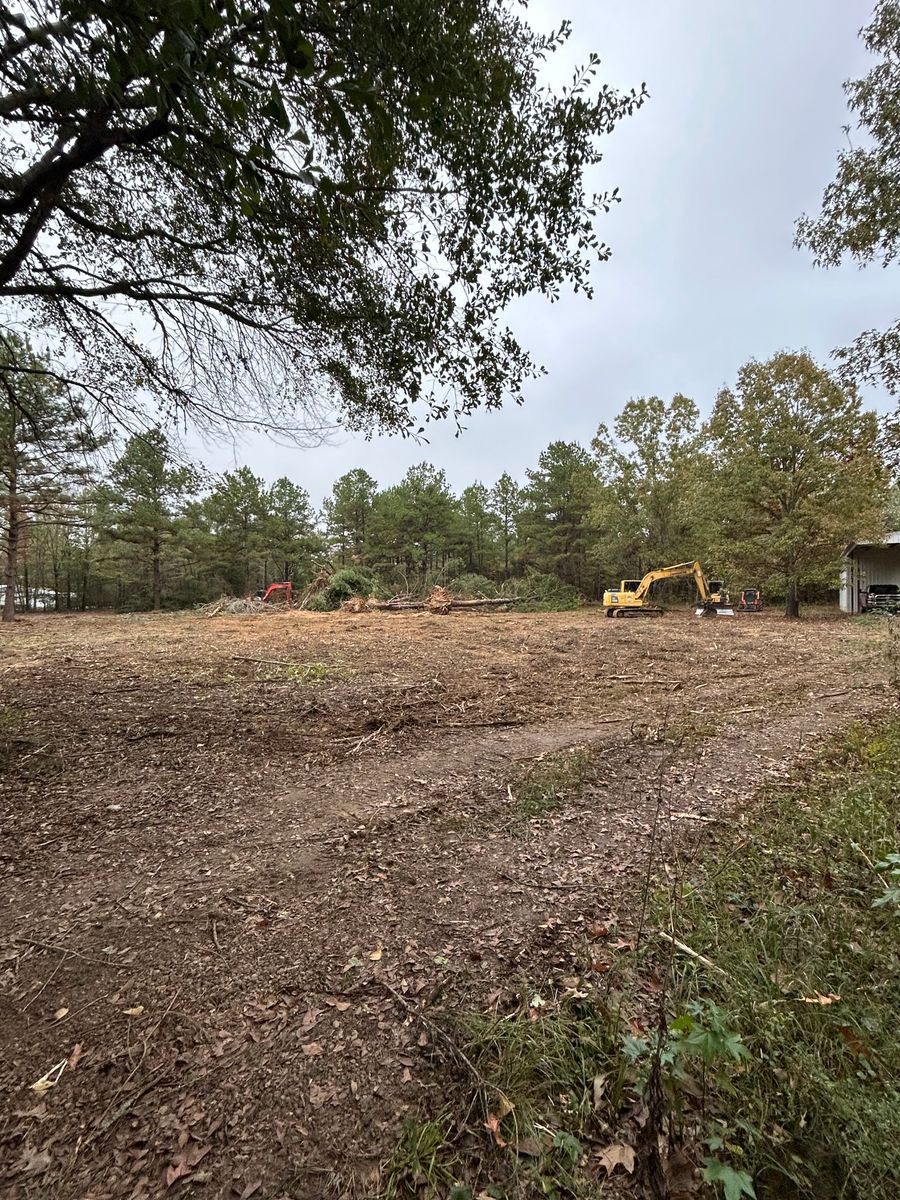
column 271, row 838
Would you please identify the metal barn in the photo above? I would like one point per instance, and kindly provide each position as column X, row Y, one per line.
column 865, row 565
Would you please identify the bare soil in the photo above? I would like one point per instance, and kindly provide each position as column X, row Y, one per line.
column 239, row 856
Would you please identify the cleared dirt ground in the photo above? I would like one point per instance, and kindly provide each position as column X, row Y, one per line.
column 242, row 856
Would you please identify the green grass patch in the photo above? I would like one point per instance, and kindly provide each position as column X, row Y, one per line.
column 801, row 925
column 304, row 674
column 548, row 783
column 423, row 1161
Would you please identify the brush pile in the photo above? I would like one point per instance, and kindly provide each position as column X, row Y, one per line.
column 239, row 606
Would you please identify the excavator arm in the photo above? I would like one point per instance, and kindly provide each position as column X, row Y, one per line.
column 688, row 568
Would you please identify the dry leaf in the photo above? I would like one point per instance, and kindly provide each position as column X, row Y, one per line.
column 622, row 944
column 818, row 998
column 530, row 1146
column 492, row 1124
column 75, row 1056
column 177, row 1170
column 854, row 1041
column 60, row 1013
column 376, row 954
column 134, row 1012
column 50, row 1079
column 33, row 1162
column 617, row 1155
column 681, row 1176
column 313, row 1049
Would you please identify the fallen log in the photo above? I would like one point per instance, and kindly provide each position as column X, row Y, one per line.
column 356, row 604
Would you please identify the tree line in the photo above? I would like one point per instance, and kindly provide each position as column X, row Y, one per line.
column 788, row 468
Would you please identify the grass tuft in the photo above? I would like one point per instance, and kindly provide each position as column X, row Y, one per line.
column 421, row 1166
column 548, row 783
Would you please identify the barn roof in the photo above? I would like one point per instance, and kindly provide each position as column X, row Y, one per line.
column 892, row 539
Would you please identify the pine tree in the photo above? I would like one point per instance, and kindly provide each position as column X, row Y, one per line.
column 505, row 503
column 288, row 532
column 144, row 497
column 554, row 524
column 478, row 529
column 236, row 511
column 45, row 447
column 348, row 513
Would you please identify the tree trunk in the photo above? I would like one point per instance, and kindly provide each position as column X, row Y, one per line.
column 792, row 601
column 25, row 586
column 157, row 576
column 12, row 550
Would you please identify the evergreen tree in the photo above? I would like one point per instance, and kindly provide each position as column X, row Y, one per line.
column 505, row 503
column 414, row 522
column 236, row 512
column 288, row 532
column 478, row 529
column 348, row 513
column 45, row 444
column 799, row 473
column 554, row 524
column 143, row 498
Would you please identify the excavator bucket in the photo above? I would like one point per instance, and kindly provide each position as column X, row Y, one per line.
column 714, row 610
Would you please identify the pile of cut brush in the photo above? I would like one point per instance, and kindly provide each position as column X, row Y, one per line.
column 439, row 600
column 243, row 606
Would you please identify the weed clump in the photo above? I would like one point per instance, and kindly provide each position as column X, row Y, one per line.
column 546, row 785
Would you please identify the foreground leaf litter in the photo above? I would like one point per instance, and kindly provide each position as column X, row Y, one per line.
column 230, row 886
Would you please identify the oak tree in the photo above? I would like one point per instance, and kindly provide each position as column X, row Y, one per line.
column 260, row 210
column 860, row 215
column 798, row 473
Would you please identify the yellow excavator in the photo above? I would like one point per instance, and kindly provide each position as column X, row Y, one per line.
column 632, row 598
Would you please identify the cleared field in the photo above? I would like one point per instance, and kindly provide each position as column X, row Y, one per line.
column 242, row 857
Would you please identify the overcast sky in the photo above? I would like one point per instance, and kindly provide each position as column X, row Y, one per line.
column 738, row 138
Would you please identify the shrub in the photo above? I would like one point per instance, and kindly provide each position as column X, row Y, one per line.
column 349, row 581
column 538, row 592
column 473, row 586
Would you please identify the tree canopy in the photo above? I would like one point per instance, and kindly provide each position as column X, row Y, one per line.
column 860, row 215
column 262, row 211
column 798, row 473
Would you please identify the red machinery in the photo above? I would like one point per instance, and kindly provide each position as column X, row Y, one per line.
column 751, row 600
column 287, row 588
